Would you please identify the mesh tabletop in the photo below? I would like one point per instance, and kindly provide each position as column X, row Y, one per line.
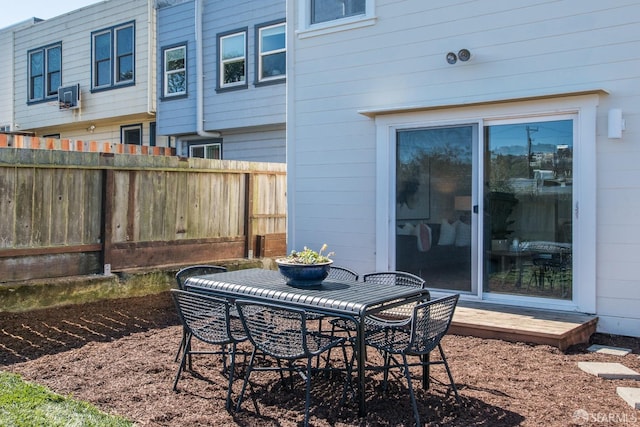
column 332, row 295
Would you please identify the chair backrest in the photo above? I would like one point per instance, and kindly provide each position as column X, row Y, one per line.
column 430, row 322
column 342, row 273
column 207, row 317
column 276, row 330
column 400, row 278
column 196, row 270
column 397, row 278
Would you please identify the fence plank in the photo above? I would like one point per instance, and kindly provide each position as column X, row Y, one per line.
column 24, row 207
column 178, row 197
column 120, row 199
column 43, row 202
column 93, row 191
column 7, row 206
column 59, row 207
column 75, row 208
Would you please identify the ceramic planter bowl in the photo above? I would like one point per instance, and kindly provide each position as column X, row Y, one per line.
column 303, row 274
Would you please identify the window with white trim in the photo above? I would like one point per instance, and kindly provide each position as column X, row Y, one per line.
column 113, row 51
column 206, row 151
column 131, row 134
column 232, row 60
column 45, row 72
column 272, row 51
column 175, row 71
column 330, row 10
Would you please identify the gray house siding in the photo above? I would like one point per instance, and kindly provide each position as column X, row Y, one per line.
column 266, row 145
column 176, row 26
column 256, row 105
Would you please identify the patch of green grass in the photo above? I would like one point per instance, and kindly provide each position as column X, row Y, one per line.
column 27, row 404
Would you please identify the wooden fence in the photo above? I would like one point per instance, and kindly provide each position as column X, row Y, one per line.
column 75, row 213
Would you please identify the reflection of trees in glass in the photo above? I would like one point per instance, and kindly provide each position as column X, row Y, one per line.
column 234, row 72
column 503, row 168
column 177, row 83
column 444, row 153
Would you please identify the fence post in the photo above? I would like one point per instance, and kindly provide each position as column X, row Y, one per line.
column 248, row 217
column 108, row 192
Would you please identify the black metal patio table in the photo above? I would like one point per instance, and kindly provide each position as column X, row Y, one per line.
column 341, row 298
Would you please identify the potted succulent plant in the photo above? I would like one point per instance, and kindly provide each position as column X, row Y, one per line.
column 306, row 267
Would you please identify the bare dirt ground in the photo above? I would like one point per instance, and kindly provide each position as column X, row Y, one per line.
column 119, row 355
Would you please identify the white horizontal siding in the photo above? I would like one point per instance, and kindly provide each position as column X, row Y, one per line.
column 519, row 49
column 74, row 31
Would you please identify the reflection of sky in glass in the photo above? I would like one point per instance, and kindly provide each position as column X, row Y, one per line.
column 414, row 143
column 545, row 137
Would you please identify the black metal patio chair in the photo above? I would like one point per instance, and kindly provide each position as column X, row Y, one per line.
column 281, row 333
column 208, row 319
column 429, row 322
column 398, row 315
column 342, row 273
column 181, row 277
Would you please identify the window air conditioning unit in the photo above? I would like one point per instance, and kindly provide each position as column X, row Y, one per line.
column 69, row 97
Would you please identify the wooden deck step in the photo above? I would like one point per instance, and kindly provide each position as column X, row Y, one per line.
column 521, row 324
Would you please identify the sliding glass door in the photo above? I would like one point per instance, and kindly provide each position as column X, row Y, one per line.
column 434, row 193
column 528, row 199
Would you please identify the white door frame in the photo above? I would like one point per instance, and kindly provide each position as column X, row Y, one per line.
column 582, row 107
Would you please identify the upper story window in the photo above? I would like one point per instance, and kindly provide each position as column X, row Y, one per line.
column 45, row 72
column 113, row 51
column 272, row 52
column 329, row 10
column 232, row 60
column 318, row 17
column 175, row 71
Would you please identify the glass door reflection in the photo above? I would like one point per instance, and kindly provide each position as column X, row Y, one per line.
column 434, row 181
column 528, row 209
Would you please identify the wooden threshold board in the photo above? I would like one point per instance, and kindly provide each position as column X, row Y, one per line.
column 521, row 324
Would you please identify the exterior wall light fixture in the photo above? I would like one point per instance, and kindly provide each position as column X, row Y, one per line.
column 463, row 55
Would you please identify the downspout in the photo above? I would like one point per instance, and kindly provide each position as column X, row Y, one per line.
column 151, row 64
column 200, row 75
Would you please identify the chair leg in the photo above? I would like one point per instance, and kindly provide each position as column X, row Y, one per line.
column 232, row 367
column 446, row 366
column 412, row 395
column 182, row 344
column 246, row 379
column 183, row 361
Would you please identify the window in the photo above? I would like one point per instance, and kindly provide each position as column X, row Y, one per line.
column 272, row 52
column 330, row 10
column 175, row 71
column 152, row 134
column 45, row 72
column 232, row 60
column 113, row 56
column 206, row 151
column 131, row 134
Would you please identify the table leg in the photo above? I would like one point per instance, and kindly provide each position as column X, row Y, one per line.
column 360, row 356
